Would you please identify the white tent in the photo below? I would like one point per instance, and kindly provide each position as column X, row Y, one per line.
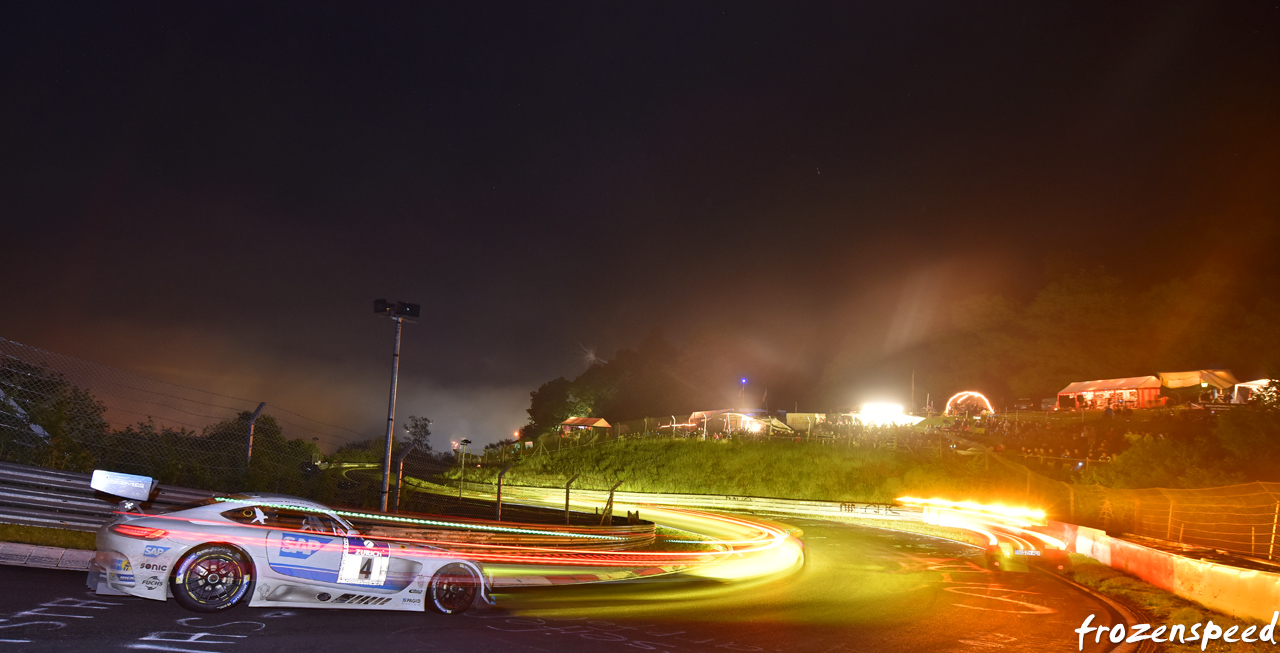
column 1244, row 391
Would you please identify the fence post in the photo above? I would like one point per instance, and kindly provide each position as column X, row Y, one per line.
column 500, row 475
column 606, row 517
column 566, row 498
column 1271, row 551
column 400, row 473
column 248, row 455
column 1168, row 529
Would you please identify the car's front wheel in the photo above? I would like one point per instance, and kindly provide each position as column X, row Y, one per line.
column 453, row 588
column 211, row 578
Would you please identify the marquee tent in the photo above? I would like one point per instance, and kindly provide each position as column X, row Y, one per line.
column 1220, row 379
column 1133, row 392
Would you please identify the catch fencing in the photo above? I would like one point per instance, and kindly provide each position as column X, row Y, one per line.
column 1243, row 520
column 61, row 412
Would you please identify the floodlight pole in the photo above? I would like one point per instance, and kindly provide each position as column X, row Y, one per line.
column 391, row 414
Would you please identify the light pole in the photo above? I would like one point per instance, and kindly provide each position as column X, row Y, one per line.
column 397, row 311
column 462, row 465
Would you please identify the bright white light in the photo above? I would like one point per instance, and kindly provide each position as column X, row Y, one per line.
column 881, row 409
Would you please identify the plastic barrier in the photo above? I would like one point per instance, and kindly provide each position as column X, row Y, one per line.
column 1241, row 593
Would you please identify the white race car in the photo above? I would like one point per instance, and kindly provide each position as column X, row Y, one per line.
column 276, row 550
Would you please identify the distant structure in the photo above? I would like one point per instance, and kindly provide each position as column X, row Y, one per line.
column 589, row 424
column 958, row 402
column 1130, row 392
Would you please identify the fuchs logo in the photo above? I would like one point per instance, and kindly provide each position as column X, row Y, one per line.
column 300, row 546
column 152, row 550
column 152, row 583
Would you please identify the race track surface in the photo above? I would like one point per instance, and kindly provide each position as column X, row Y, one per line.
column 860, row 589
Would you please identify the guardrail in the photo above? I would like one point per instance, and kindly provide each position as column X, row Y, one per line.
column 34, row 496
column 516, row 493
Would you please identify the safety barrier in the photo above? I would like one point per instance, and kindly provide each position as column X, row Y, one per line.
column 517, row 493
column 1243, row 593
column 34, row 496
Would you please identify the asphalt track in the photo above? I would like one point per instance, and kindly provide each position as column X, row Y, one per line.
column 860, row 589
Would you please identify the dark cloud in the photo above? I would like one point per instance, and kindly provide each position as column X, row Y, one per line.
column 216, row 193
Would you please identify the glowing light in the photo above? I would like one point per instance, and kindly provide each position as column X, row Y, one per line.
column 972, row 506
column 967, row 394
column 881, row 409
column 884, row 414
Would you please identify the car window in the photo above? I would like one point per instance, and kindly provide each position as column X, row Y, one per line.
column 286, row 519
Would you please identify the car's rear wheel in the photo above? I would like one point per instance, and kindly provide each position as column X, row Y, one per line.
column 453, row 588
column 211, row 578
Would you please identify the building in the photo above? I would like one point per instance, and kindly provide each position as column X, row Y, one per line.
column 578, row 424
column 1131, row 392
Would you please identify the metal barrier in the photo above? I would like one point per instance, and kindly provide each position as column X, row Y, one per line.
column 34, row 496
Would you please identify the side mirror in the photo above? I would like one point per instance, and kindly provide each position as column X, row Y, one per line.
column 128, row 486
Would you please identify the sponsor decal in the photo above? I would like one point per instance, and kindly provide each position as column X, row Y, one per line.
column 151, row 566
column 1020, row 552
column 295, row 545
column 123, row 578
column 152, row 583
column 151, row 550
column 123, row 565
column 408, row 600
column 415, row 591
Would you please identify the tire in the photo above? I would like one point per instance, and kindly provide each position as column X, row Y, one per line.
column 453, row 588
column 211, row 578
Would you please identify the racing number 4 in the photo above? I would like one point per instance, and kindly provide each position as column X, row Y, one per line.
column 364, row 562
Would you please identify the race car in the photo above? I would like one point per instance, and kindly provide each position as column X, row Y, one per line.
column 268, row 550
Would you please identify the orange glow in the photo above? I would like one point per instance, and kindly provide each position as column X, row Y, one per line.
column 996, row 510
column 968, row 394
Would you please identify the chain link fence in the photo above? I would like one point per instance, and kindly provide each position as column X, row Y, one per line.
column 61, row 412
column 1242, row 520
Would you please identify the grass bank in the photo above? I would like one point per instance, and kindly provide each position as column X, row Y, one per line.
column 46, row 536
column 771, row 469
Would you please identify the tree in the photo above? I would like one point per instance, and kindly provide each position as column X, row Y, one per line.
column 419, row 429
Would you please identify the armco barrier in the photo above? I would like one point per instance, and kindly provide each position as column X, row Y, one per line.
column 1241, row 593
column 34, row 496
column 540, row 495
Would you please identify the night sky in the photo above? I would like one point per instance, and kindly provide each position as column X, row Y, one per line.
column 214, row 193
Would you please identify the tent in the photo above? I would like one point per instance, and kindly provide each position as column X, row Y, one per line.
column 1220, row 379
column 1133, row 391
column 1243, row 392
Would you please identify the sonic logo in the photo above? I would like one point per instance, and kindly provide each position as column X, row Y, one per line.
column 293, row 545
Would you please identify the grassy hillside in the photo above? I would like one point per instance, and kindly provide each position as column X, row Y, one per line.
column 773, row 469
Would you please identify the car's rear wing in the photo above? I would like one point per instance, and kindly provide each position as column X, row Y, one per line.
column 125, row 486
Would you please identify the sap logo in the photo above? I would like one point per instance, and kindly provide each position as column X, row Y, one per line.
column 123, row 565
column 153, row 566
column 300, row 546
column 152, row 583
column 152, row 550
column 406, row 600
